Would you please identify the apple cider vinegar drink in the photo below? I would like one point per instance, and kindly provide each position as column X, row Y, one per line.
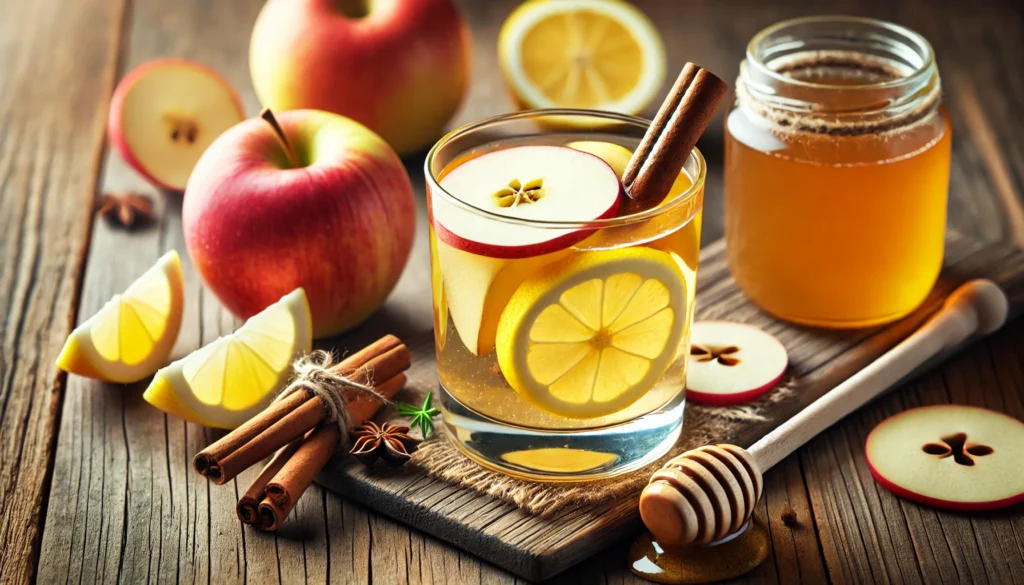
column 837, row 169
column 561, row 322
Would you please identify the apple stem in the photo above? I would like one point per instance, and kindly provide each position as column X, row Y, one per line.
column 267, row 115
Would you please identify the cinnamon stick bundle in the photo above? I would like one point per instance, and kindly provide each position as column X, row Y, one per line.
column 293, row 416
column 296, row 428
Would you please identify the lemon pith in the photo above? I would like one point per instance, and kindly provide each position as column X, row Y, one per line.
column 588, row 336
column 226, row 382
column 133, row 334
column 581, row 53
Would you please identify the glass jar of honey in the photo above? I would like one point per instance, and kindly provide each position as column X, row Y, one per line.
column 836, row 172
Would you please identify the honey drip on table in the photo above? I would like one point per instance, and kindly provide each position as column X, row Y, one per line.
column 730, row 557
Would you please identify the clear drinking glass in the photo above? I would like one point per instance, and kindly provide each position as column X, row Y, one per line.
column 570, row 363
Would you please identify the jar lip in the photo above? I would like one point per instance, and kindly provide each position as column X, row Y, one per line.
column 669, row 205
column 924, row 48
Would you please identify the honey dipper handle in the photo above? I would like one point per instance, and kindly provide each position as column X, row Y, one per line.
column 976, row 307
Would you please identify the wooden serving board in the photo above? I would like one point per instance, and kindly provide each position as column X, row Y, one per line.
column 539, row 547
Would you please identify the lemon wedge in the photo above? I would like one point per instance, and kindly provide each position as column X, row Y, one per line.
column 225, row 383
column 589, row 335
column 134, row 332
column 597, row 54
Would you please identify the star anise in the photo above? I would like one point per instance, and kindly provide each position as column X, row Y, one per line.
column 389, row 442
column 126, row 209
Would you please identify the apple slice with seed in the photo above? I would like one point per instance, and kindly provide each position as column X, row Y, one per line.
column 732, row 363
column 165, row 113
column 532, row 183
column 950, row 456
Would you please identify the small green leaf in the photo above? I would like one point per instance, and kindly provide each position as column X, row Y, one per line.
column 421, row 416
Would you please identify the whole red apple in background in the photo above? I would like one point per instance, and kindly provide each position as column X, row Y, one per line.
column 400, row 67
column 335, row 216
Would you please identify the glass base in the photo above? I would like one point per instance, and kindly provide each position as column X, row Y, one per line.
column 571, row 455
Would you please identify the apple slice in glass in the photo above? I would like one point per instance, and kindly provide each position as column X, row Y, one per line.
column 531, row 183
column 483, row 261
column 165, row 113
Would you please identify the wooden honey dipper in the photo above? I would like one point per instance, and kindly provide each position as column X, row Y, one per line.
column 708, row 493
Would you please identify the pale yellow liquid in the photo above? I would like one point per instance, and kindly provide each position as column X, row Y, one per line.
column 477, row 381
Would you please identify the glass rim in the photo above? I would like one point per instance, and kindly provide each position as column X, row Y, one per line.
column 924, row 47
column 697, row 182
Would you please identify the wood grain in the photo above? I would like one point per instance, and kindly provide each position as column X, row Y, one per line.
column 128, row 506
column 50, row 150
column 123, row 504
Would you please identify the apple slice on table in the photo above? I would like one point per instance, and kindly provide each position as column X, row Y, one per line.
column 531, row 183
column 165, row 113
column 950, row 456
column 732, row 363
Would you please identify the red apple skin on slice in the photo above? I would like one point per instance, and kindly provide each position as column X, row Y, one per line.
column 732, row 363
column 116, row 124
column 894, row 451
column 578, row 187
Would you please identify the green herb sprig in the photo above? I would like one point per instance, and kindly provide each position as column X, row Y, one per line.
column 420, row 415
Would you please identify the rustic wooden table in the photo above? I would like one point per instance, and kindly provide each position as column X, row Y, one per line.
column 95, row 484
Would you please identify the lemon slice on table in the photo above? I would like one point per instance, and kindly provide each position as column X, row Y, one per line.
column 225, row 383
column 589, row 335
column 133, row 334
column 597, row 54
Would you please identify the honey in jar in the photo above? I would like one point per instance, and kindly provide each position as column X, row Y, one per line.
column 837, row 170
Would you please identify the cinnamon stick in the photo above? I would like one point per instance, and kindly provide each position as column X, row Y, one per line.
column 682, row 118
column 295, row 476
column 299, row 470
column 380, row 368
column 284, row 431
column 288, row 419
column 210, row 456
column 249, row 503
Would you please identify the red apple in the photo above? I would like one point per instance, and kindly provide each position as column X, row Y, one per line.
column 399, row 67
column 569, row 186
column 165, row 113
column 318, row 201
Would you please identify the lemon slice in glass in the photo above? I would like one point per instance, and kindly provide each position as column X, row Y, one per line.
column 225, row 383
column 133, row 334
column 596, row 54
column 589, row 335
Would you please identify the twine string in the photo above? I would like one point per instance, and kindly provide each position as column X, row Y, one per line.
column 314, row 374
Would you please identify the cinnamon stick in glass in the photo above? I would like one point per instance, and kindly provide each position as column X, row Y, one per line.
column 681, row 119
column 293, row 416
column 298, row 472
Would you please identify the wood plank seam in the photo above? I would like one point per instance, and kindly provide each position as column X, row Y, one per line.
column 992, row 157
